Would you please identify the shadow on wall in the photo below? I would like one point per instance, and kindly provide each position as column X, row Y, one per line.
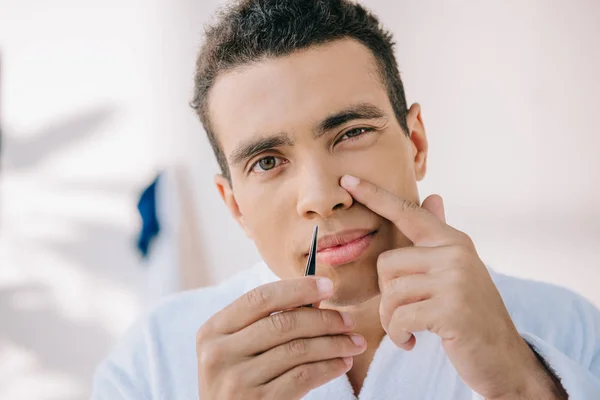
column 56, row 341
column 98, row 253
column 64, row 346
column 94, row 249
column 96, row 244
column 27, row 152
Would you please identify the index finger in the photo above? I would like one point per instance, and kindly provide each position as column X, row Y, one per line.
column 417, row 224
column 272, row 297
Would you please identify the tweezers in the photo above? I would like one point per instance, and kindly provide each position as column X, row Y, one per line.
column 312, row 254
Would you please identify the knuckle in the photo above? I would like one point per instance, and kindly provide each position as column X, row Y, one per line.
column 328, row 318
column 303, row 374
column 388, row 304
column 398, row 293
column 259, row 297
column 385, row 263
column 400, row 285
column 339, row 343
column 210, row 355
column 430, row 326
column 407, row 205
column 283, row 322
column 465, row 239
column 383, row 258
column 399, row 318
column 384, row 310
column 209, row 329
column 389, row 298
column 298, row 348
column 375, row 190
column 201, row 336
column 459, row 255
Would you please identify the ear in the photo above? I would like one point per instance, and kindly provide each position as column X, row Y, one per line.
column 418, row 139
column 226, row 191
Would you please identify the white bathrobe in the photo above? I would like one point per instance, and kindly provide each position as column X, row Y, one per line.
column 157, row 359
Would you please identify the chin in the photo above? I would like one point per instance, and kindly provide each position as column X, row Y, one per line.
column 354, row 290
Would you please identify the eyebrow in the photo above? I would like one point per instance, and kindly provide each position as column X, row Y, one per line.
column 251, row 147
column 359, row 111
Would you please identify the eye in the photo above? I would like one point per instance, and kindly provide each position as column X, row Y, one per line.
column 353, row 133
column 266, row 164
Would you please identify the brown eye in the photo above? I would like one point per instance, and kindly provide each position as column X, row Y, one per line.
column 266, row 164
column 355, row 132
column 352, row 133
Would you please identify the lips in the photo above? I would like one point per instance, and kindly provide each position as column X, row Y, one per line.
column 340, row 239
column 343, row 247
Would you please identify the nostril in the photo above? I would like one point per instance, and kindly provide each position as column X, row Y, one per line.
column 338, row 206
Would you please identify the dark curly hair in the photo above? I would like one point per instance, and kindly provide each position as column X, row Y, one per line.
column 251, row 30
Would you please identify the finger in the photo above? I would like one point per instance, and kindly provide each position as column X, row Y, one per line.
column 404, row 261
column 435, row 205
column 267, row 299
column 410, row 318
column 297, row 382
column 418, row 225
column 283, row 327
column 287, row 356
column 405, row 290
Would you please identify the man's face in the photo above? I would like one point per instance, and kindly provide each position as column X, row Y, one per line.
column 290, row 128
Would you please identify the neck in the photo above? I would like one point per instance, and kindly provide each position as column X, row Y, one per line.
column 368, row 324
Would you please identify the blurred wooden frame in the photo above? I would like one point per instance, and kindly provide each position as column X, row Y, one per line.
column 191, row 260
column 1, row 110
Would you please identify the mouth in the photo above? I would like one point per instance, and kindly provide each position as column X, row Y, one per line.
column 344, row 247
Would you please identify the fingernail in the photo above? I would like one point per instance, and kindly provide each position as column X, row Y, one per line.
column 358, row 340
column 350, row 181
column 325, row 285
column 348, row 319
column 348, row 360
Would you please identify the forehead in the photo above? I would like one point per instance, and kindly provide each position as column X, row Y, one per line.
column 293, row 92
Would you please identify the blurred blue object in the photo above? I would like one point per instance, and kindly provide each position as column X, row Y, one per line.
column 150, row 225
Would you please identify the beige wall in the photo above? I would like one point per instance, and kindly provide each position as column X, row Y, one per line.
column 80, row 140
column 510, row 95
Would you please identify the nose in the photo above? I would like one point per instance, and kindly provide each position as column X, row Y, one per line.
column 320, row 193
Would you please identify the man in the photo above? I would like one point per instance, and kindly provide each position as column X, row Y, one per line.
column 304, row 107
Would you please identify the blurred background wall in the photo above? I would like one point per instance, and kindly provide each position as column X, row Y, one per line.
column 94, row 102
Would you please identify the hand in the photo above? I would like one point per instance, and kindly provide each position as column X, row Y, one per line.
column 246, row 351
column 440, row 285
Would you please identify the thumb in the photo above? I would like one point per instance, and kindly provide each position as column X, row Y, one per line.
column 435, row 205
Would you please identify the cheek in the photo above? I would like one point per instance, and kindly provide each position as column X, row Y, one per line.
column 389, row 165
column 262, row 205
column 268, row 214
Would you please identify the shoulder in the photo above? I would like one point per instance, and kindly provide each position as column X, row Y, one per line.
column 557, row 315
column 165, row 339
